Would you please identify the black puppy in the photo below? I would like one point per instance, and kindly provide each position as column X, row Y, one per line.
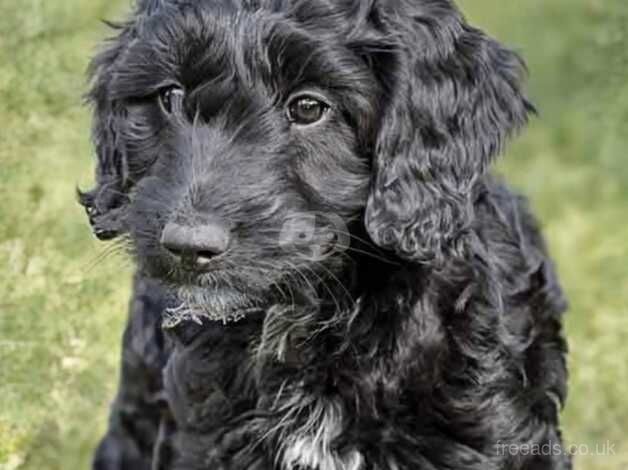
column 344, row 285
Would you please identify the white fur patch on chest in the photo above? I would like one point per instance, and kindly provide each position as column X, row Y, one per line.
column 311, row 446
column 308, row 454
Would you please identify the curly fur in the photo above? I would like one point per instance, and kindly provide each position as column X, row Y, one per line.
column 431, row 342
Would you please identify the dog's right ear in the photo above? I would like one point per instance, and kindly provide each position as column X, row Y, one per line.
column 105, row 203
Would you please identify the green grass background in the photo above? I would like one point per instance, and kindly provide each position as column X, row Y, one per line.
column 63, row 300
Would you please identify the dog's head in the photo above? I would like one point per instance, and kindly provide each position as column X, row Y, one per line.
column 246, row 140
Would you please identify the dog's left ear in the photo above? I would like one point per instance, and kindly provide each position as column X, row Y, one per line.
column 453, row 97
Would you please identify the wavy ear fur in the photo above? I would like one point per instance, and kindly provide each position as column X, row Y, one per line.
column 454, row 98
column 105, row 204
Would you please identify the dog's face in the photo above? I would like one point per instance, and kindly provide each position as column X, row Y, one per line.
column 254, row 131
column 248, row 139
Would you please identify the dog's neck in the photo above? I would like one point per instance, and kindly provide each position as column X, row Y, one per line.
column 318, row 361
column 348, row 320
column 302, row 370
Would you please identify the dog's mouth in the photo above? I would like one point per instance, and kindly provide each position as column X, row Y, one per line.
column 217, row 304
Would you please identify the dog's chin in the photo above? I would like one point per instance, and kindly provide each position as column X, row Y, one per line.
column 216, row 304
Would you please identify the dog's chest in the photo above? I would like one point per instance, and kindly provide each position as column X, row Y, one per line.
column 304, row 454
column 310, row 444
column 210, row 376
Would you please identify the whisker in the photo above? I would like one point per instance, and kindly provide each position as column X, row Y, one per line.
column 335, row 278
column 373, row 256
column 105, row 253
column 289, row 273
column 329, row 290
column 273, row 283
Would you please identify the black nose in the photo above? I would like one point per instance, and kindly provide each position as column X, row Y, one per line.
column 196, row 245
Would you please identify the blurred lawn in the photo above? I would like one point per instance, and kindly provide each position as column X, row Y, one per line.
column 61, row 319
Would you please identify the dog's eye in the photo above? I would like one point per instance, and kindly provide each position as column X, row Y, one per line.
column 305, row 110
column 171, row 99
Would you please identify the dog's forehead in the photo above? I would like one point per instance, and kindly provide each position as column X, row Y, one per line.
column 276, row 45
column 238, row 34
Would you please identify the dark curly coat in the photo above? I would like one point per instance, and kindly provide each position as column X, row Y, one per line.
column 430, row 340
